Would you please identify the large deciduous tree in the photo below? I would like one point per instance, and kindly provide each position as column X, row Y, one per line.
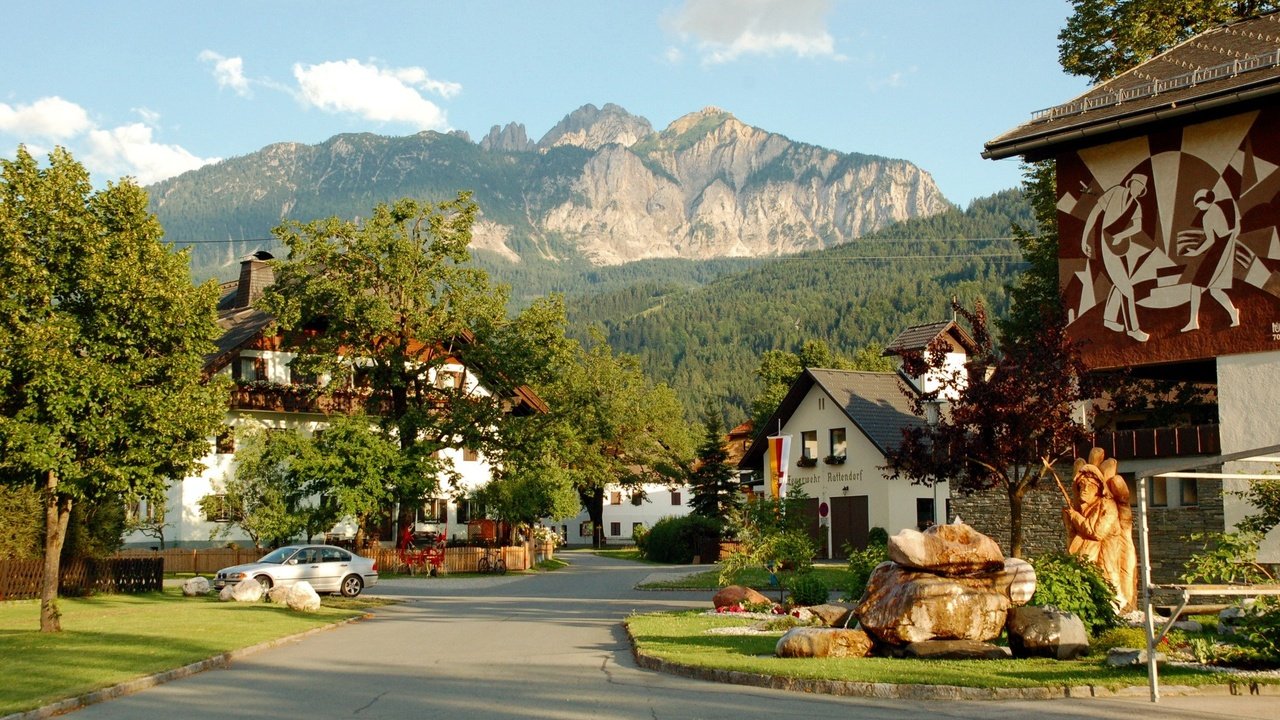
column 102, row 340
column 1008, row 413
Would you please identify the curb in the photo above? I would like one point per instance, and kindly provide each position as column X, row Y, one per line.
column 129, row 687
column 891, row 691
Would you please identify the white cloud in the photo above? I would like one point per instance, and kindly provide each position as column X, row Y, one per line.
column 374, row 93
column 131, row 150
column 725, row 30
column 228, row 71
column 49, row 118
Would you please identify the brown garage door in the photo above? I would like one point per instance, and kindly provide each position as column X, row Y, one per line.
column 848, row 524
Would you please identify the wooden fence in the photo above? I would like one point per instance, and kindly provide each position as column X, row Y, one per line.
column 208, row 561
column 21, row 579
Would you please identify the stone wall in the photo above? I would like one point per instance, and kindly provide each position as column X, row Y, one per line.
column 1043, row 530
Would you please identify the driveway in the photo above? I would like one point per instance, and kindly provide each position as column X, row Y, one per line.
column 541, row 646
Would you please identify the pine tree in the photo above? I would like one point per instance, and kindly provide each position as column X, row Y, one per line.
column 714, row 482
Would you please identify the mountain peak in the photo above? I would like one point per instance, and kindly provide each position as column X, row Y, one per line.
column 591, row 128
column 511, row 138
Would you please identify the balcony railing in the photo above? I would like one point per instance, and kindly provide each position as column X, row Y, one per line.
column 274, row 397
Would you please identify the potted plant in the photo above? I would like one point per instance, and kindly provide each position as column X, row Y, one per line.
column 807, row 462
column 834, row 459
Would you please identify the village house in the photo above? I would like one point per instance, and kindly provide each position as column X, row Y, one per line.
column 1167, row 182
column 267, row 391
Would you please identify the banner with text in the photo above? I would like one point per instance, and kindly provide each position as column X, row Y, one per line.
column 779, row 451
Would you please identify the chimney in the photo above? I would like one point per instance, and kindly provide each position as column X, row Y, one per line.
column 255, row 276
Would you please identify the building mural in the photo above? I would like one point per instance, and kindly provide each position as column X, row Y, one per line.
column 1168, row 242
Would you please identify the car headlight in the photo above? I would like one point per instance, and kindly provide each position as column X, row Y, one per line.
column 237, row 576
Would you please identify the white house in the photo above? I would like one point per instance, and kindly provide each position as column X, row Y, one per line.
column 268, row 393
column 842, row 423
column 625, row 510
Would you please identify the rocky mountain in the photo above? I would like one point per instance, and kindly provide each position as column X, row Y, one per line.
column 601, row 185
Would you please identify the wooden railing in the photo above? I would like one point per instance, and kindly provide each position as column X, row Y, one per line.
column 205, row 561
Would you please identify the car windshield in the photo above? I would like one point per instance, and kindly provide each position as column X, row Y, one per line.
column 278, row 557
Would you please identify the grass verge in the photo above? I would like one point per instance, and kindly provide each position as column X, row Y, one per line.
column 682, row 638
column 109, row 639
column 837, row 578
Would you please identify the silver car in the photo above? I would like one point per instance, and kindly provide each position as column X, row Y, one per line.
column 329, row 569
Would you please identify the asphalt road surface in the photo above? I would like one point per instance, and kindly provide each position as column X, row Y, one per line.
column 544, row 646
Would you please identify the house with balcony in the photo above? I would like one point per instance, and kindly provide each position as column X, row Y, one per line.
column 269, row 392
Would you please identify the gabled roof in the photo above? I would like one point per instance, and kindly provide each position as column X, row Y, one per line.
column 873, row 401
column 1232, row 64
column 919, row 337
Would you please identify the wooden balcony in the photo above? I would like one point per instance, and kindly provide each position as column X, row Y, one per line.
column 1149, row 443
column 274, row 397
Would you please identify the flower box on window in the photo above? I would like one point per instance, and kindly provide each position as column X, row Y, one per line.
column 807, row 462
column 834, row 459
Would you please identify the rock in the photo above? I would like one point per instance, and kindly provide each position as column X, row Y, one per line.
column 225, row 594
column 955, row 650
column 823, row 642
column 302, row 597
column 1123, row 657
column 247, row 591
column 1188, row 626
column 195, row 586
column 1229, row 619
column 904, row 606
column 1016, row 581
column 1046, row 632
column 952, row 550
column 832, row 614
column 737, row 595
column 278, row 594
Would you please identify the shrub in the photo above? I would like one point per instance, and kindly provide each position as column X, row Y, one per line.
column 677, row 539
column 861, row 563
column 1077, row 586
column 640, row 535
column 1259, row 630
column 21, row 522
column 808, row 589
column 877, row 536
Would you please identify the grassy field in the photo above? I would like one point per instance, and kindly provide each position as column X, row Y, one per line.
column 108, row 639
column 682, row 638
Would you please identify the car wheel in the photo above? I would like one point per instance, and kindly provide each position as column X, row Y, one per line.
column 352, row 585
column 264, row 581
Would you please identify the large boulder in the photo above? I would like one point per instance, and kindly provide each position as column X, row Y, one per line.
column 1016, row 581
column 302, row 597
column 952, row 550
column 195, row 586
column 278, row 594
column 955, row 650
column 823, row 642
column 249, row 590
column 1046, row 632
column 737, row 595
column 904, row 606
column 833, row 614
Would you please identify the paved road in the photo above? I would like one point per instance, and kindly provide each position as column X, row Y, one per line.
column 545, row 646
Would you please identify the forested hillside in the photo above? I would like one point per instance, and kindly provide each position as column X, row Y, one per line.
column 706, row 341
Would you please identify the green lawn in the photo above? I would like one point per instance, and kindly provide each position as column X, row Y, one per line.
column 108, row 639
column 836, row 576
column 681, row 638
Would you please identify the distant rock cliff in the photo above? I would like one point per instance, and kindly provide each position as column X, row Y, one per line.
column 601, row 184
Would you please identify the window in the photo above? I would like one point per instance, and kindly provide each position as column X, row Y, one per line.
column 675, row 497
column 924, row 513
column 584, row 529
column 1190, row 492
column 809, row 444
column 216, row 508
column 470, row 455
column 615, row 498
column 334, row 555
column 839, row 445
column 615, row 529
column 447, row 379
column 225, row 442
column 1159, row 492
column 464, row 511
column 435, row 511
column 637, row 498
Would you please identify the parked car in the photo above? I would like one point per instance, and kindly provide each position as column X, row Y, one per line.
column 329, row 569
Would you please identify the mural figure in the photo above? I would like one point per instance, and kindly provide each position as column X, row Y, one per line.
column 1221, row 224
column 1099, row 523
column 1114, row 220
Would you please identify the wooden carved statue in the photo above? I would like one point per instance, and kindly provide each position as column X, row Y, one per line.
column 1100, row 523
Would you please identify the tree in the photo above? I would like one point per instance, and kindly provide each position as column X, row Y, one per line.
column 1103, row 38
column 778, row 369
column 1007, row 415
column 715, row 486
column 102, row 344
column 613, row 427
column 264, row 498
column 1036, row 294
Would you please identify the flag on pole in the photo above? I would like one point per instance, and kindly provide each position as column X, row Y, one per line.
column 779, row 452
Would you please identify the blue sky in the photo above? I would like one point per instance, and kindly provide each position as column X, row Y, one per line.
column 152, row 89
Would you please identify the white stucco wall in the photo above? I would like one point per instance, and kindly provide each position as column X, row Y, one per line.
column 656, row 505
column 1249, row 418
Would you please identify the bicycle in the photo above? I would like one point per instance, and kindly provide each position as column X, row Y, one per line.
column 492, row 561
